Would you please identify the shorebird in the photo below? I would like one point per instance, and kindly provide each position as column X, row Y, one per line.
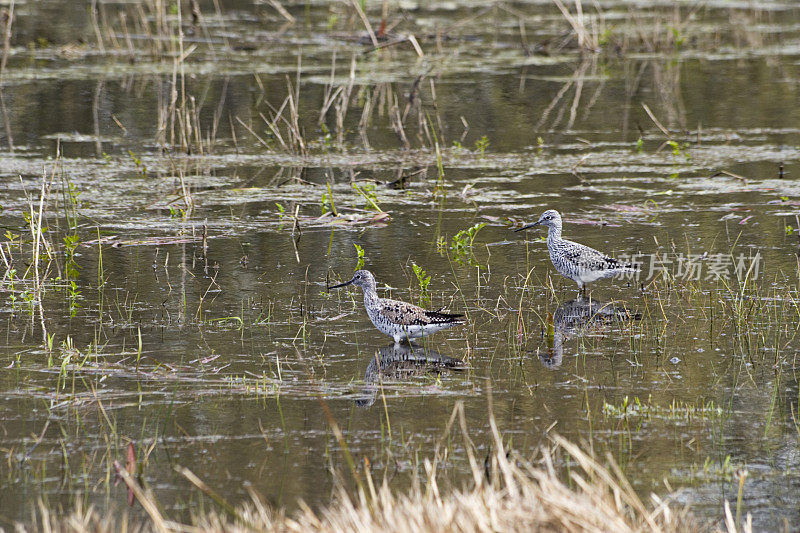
column 575, row 261
column 399, row 320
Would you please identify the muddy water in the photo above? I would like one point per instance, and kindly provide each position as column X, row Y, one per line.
column 205, row 335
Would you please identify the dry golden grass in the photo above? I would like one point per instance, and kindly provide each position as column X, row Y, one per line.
column 507, row 493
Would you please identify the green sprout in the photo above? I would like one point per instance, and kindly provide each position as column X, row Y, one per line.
column 367, row 192
column 140, row 167
column 360, row 256
column 462, row 242
column 327, row 204
column 423, row 281
column 482, row 144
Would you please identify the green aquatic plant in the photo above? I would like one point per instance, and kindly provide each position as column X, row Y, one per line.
column 464, row 239
column 359, row 256
column 140, row 166
column 677, row 410
column 176, row 212
column 71, row 269
column 679, row 149
column 27, row 299
column 604, row 38
column 482, row 144
column 73, row 294
column 8, row 281
column 439, row 191
column 462, row 242
column 367, row 191
column 677, row 38
column 423, row 281
column 441, row 245
column 71, row 273
column 724, row 470
column 327, row 141
column 327, row 204
column 539, row 145
column 70, row 195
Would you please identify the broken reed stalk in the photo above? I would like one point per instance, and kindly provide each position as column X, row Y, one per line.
column 284, row 126
column 178, row 111
column 294, row 103
column 586, row 40
column 293, row 141
column 366, row 115
column 37, row 229
column 149, row 505
column 96, row 26
column 329, row 94
column 365, row 20
column 397, row 120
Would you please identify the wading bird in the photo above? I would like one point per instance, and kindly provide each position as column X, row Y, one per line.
column 399, row 320
column 575, row 261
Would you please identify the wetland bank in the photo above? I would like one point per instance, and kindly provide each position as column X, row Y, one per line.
column 182, row 181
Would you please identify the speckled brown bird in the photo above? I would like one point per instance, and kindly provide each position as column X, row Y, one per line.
column 399, row 320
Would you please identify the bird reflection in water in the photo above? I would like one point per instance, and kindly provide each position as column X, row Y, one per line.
column 579, row 317
column 400, row 362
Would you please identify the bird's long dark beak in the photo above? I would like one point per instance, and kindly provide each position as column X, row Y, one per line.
column 526, row 227
column 346, row 283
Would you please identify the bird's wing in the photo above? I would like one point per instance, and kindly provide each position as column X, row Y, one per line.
column 406, row 314
column 591, row 259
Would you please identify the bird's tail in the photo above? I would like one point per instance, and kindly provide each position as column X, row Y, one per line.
column 456, row 318
column 627, row 270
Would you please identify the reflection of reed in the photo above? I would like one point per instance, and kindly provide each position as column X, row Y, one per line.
column 400, row 362
column 665, row 85
column 578, row 317
column 577, row 80
column 8, row 19
column 98, row 144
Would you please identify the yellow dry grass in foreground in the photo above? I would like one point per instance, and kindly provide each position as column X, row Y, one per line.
column 508, row 493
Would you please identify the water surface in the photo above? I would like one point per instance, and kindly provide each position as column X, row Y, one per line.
column 199, row 327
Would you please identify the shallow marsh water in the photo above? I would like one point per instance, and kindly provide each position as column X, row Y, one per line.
column 199, row 327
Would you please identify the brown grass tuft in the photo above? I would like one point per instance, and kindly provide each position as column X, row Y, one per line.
column 508, row 493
